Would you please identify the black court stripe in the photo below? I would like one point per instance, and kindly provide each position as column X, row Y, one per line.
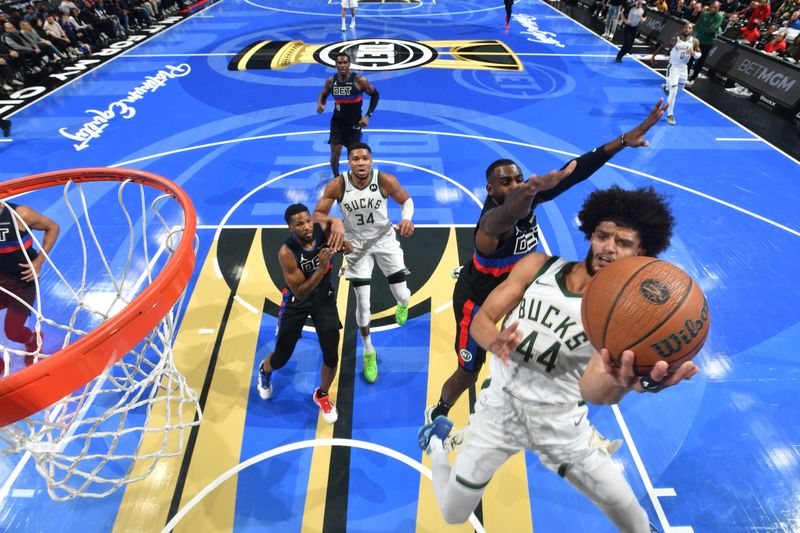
column 336, row 497
column 233, row 283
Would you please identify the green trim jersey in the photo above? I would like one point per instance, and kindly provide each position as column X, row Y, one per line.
column 364, row 209
column 546, row 366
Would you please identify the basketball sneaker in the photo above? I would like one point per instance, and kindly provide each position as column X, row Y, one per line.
column 401, row 315
column 344, row 26
column 353, row 24
column 329, row 412
column 264, row 383
column 371, row 366
column 438, row 428
column 428, row 412
column 670, row 120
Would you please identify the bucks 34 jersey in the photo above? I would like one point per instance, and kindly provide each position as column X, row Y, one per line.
column 364, row 209
column 547, row 365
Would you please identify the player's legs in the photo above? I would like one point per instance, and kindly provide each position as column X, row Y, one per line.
column 336, row 154
column 325, row 316
column 509, row 4
column 676, row 79
column 17, row 314
column 353, row 13
column 389, row 256
column 290, row 327
column 359, row 272
column 603, row 483
column 344, row 27
column 470, row 356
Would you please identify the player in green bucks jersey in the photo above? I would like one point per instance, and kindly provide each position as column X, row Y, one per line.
column 546, row 370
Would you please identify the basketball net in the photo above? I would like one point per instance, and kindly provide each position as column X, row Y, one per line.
column 117, row 425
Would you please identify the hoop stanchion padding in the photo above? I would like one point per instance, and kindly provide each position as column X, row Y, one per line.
column 34, row 388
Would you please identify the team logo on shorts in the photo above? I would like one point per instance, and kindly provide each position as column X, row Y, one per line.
column 466, row 355
column 654, row 291
column 373, row 187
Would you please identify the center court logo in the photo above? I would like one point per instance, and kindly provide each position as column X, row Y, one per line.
column 380, row 54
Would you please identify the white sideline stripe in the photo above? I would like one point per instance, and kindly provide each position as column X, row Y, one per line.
column 465, row 136
column 283, row 226
column 183, row 55
column 664, row 492
column 362, row 15
column 23, row 493
column 443, row 307
column 545, row 54
column 792, row 159
column 205, row 331
column 637, row 460
column 737, row 139
column 388, row 452
column 246, row 305
column 6, row 140
column 681, row 529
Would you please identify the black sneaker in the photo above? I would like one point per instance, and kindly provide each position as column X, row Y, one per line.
column 5, row 125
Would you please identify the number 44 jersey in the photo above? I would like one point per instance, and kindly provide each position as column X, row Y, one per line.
column 364, row 209
column 548, row 363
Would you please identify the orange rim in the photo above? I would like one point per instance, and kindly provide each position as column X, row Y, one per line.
column 38, row 386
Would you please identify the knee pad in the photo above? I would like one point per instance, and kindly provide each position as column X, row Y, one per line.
column 329, row 342
column 397, row 277
column 363, row 314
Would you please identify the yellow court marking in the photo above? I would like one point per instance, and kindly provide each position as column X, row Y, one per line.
column 145, row 504
column 316, row 492
column 219, row 441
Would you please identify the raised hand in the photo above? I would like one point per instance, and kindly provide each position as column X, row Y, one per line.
column 635, row 137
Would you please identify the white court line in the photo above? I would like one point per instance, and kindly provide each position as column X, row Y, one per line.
column 443, row 307
column 383, row 450
column 96, row 69
column 397, row 13
column 466, row 136
column 206, row 331
column 748, row 130
column 246, row 305
column 664, row 492
column 743, row 139
column 182, row 55
column 545, row 54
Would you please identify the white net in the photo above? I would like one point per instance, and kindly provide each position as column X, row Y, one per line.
column 116, row 237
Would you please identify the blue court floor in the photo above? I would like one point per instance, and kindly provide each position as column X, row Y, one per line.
column 720, row 453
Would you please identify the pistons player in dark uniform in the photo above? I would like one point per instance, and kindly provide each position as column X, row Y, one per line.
column 506, row 232
column 305, row 259
column 18, row 273
column 346, row 123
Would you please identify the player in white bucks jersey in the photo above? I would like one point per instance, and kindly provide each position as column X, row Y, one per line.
column 362, row 194
column 545, row 369
column 683, row 47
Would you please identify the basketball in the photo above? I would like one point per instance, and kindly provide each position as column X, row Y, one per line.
column 649, row 306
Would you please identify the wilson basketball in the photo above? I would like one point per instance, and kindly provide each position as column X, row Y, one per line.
column 649, row 306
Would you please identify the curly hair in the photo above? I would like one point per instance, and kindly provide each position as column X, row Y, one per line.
column 643, row 210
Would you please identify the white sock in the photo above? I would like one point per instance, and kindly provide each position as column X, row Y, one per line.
column 367, row 344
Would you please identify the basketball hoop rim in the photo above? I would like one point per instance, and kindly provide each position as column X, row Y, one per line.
column 38, row 386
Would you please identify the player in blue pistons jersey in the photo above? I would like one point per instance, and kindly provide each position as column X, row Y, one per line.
column 305, row 259
column 506, row 232
column 346, row 123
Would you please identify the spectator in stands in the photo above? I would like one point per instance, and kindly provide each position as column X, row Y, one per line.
column 766, row 36
column 79, row 37
column 661, row 5
column 729, row 6
column 632, row 15
column 697, row 10
column 36, row 41
column 8, row 75
column 776, row 45
column 749, row 32
column 66, row 6
column 762, row 12
column 29, row 55
column 792, row 21
column 677, row 8
column 793, row 51
column 705, row 30
column 613, row 16
column 56, row 34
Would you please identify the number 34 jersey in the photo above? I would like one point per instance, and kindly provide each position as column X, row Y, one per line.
column 549, row 361
column 364, row 209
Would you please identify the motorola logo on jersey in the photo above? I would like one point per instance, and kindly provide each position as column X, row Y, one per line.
column 373, row 187
column 378, row 54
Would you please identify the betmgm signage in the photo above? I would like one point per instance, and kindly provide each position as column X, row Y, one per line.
column 775, row 79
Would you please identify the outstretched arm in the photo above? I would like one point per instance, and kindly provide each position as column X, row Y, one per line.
column 603, row 383
column 333, row 225
column 499, row 303
column 363, row 84
column 51, row 229
column 391, row 187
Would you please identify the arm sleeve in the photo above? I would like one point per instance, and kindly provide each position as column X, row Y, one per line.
column 373, row 102
column 407, row 209
column 587, row 164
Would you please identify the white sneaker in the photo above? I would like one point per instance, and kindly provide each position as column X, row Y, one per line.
column 264, row 384
column 670, row 120
column 344, row 26
column 688, row 83
column 353, row 24
column 326, row 407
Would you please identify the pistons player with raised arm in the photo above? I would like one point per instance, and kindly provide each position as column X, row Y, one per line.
column 347, row 122
column 305, row 259
column 362, row 194
column 506, row 232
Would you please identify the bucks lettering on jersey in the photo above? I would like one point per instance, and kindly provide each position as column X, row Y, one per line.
column 681, row 52
column 364, row 209
column 547, row 365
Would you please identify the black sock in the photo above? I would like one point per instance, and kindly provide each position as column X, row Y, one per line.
column 321, row 393
column 442, row 409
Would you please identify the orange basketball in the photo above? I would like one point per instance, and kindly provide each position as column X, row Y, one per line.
column 649, row 306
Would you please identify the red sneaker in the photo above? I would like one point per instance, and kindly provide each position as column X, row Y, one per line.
column 329, row 412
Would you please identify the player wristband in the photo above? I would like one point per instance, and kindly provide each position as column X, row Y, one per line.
column 407, row 209
column 648, row 383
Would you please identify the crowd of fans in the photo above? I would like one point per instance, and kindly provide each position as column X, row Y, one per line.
column 47, row 36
